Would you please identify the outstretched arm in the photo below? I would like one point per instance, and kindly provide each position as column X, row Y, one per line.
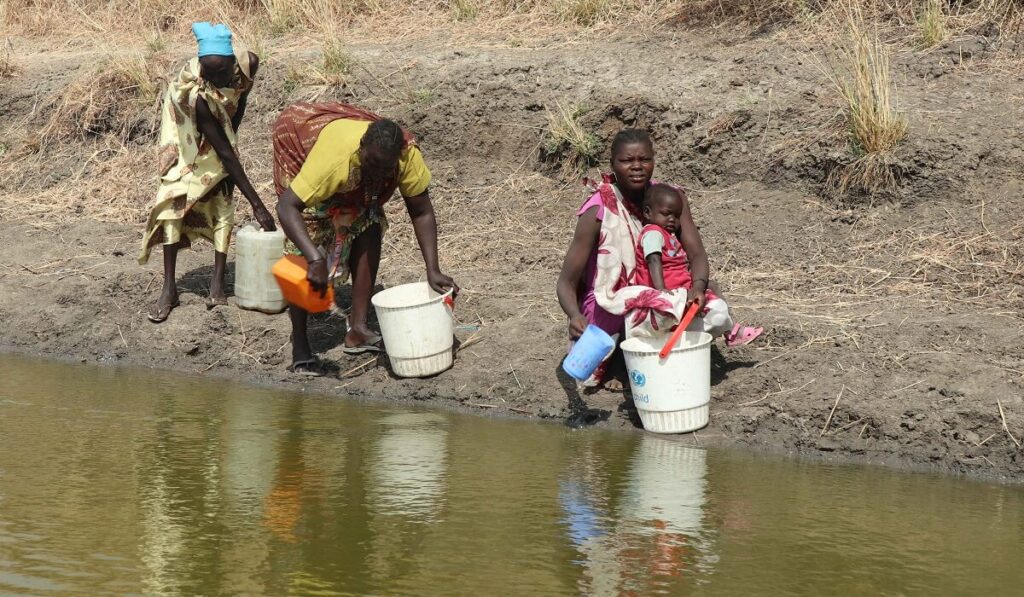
column 289, row 211
column 424, row 224
column 212, row 132
column 588, row 228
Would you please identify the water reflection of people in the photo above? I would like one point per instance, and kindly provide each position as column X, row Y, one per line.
column 351, row 507
column 312, row 515
column 179, row 487
column 591, row 531
column 653, row 539
column 282, row 506
column 408, row 466
column 250, row 453
column 207, row 470
column 408, row 476
column 666, row 500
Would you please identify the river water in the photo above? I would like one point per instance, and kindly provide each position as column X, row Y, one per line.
column 119, row 481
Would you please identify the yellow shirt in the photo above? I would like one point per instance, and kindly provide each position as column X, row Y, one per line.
column 332, row 165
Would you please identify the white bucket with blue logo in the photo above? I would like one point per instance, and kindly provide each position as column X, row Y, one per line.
column 671, row 395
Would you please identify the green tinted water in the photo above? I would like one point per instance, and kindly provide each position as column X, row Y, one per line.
column 117, row 481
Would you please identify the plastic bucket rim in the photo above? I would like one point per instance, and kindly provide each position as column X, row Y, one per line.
column 438, row 298
column 252, row 226
column 705, row 340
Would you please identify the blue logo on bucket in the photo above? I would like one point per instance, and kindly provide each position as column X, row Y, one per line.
column 639, row 379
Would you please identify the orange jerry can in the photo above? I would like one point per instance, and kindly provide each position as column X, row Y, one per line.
column 290, row 272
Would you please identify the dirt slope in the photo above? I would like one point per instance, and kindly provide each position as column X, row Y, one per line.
column 893, row 325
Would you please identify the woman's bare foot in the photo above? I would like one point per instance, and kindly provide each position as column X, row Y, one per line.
column 217, row 294
column 164, row 305
column 214, row 301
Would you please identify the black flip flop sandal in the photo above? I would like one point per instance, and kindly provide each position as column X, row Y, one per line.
column 369, row 345
column 307, row 367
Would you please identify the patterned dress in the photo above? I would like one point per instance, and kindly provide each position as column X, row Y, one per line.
column 194, row 196
column 334, row 224
column 646, row 311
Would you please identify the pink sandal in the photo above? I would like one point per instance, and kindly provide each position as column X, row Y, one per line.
column 742, row 335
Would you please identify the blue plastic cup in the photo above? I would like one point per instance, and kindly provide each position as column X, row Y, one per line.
column 586, row 355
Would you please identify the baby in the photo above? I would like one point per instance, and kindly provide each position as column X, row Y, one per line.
column 661, row 263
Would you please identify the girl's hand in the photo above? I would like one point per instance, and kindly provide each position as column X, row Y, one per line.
column 698, row 294
column 577, row 323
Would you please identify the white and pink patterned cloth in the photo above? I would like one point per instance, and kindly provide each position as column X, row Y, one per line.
column 608, row 295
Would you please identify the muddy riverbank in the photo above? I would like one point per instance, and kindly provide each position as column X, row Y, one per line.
column 893, row 325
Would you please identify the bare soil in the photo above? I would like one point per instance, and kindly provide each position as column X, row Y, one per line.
column 893, row 323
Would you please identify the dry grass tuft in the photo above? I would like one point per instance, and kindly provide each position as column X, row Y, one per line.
column 699, row 12
column 465, row 10
column 282, row 16
column 112, row 184
column 871, row 108
column 91, row 135
column 8, row 66
column 568, row 142
column 336, row 63
column 132, row 19
column 585, row 12
column 119, row 98
column 293, row 80
column 251, row 35
column 872, row 173
column 334, row 68
column 932, row 23
column 156, row 45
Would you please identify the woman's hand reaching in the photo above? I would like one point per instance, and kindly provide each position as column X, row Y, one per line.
column 577, row 324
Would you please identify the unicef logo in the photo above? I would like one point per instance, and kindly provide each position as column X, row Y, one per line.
column 639, row 379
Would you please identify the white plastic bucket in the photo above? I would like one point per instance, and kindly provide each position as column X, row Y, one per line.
column 671, row 395
column 417, row 327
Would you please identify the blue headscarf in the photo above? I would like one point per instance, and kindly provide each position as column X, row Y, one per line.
column 214, row 40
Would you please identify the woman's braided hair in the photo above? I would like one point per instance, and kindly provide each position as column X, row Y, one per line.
column 628, row 137
column 384, row 136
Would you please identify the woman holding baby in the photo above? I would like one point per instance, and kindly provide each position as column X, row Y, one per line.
column 636, row 259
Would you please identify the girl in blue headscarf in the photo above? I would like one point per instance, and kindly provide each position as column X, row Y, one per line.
column 198, row 162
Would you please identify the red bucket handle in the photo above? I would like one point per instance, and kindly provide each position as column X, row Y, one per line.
column 690, row 313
